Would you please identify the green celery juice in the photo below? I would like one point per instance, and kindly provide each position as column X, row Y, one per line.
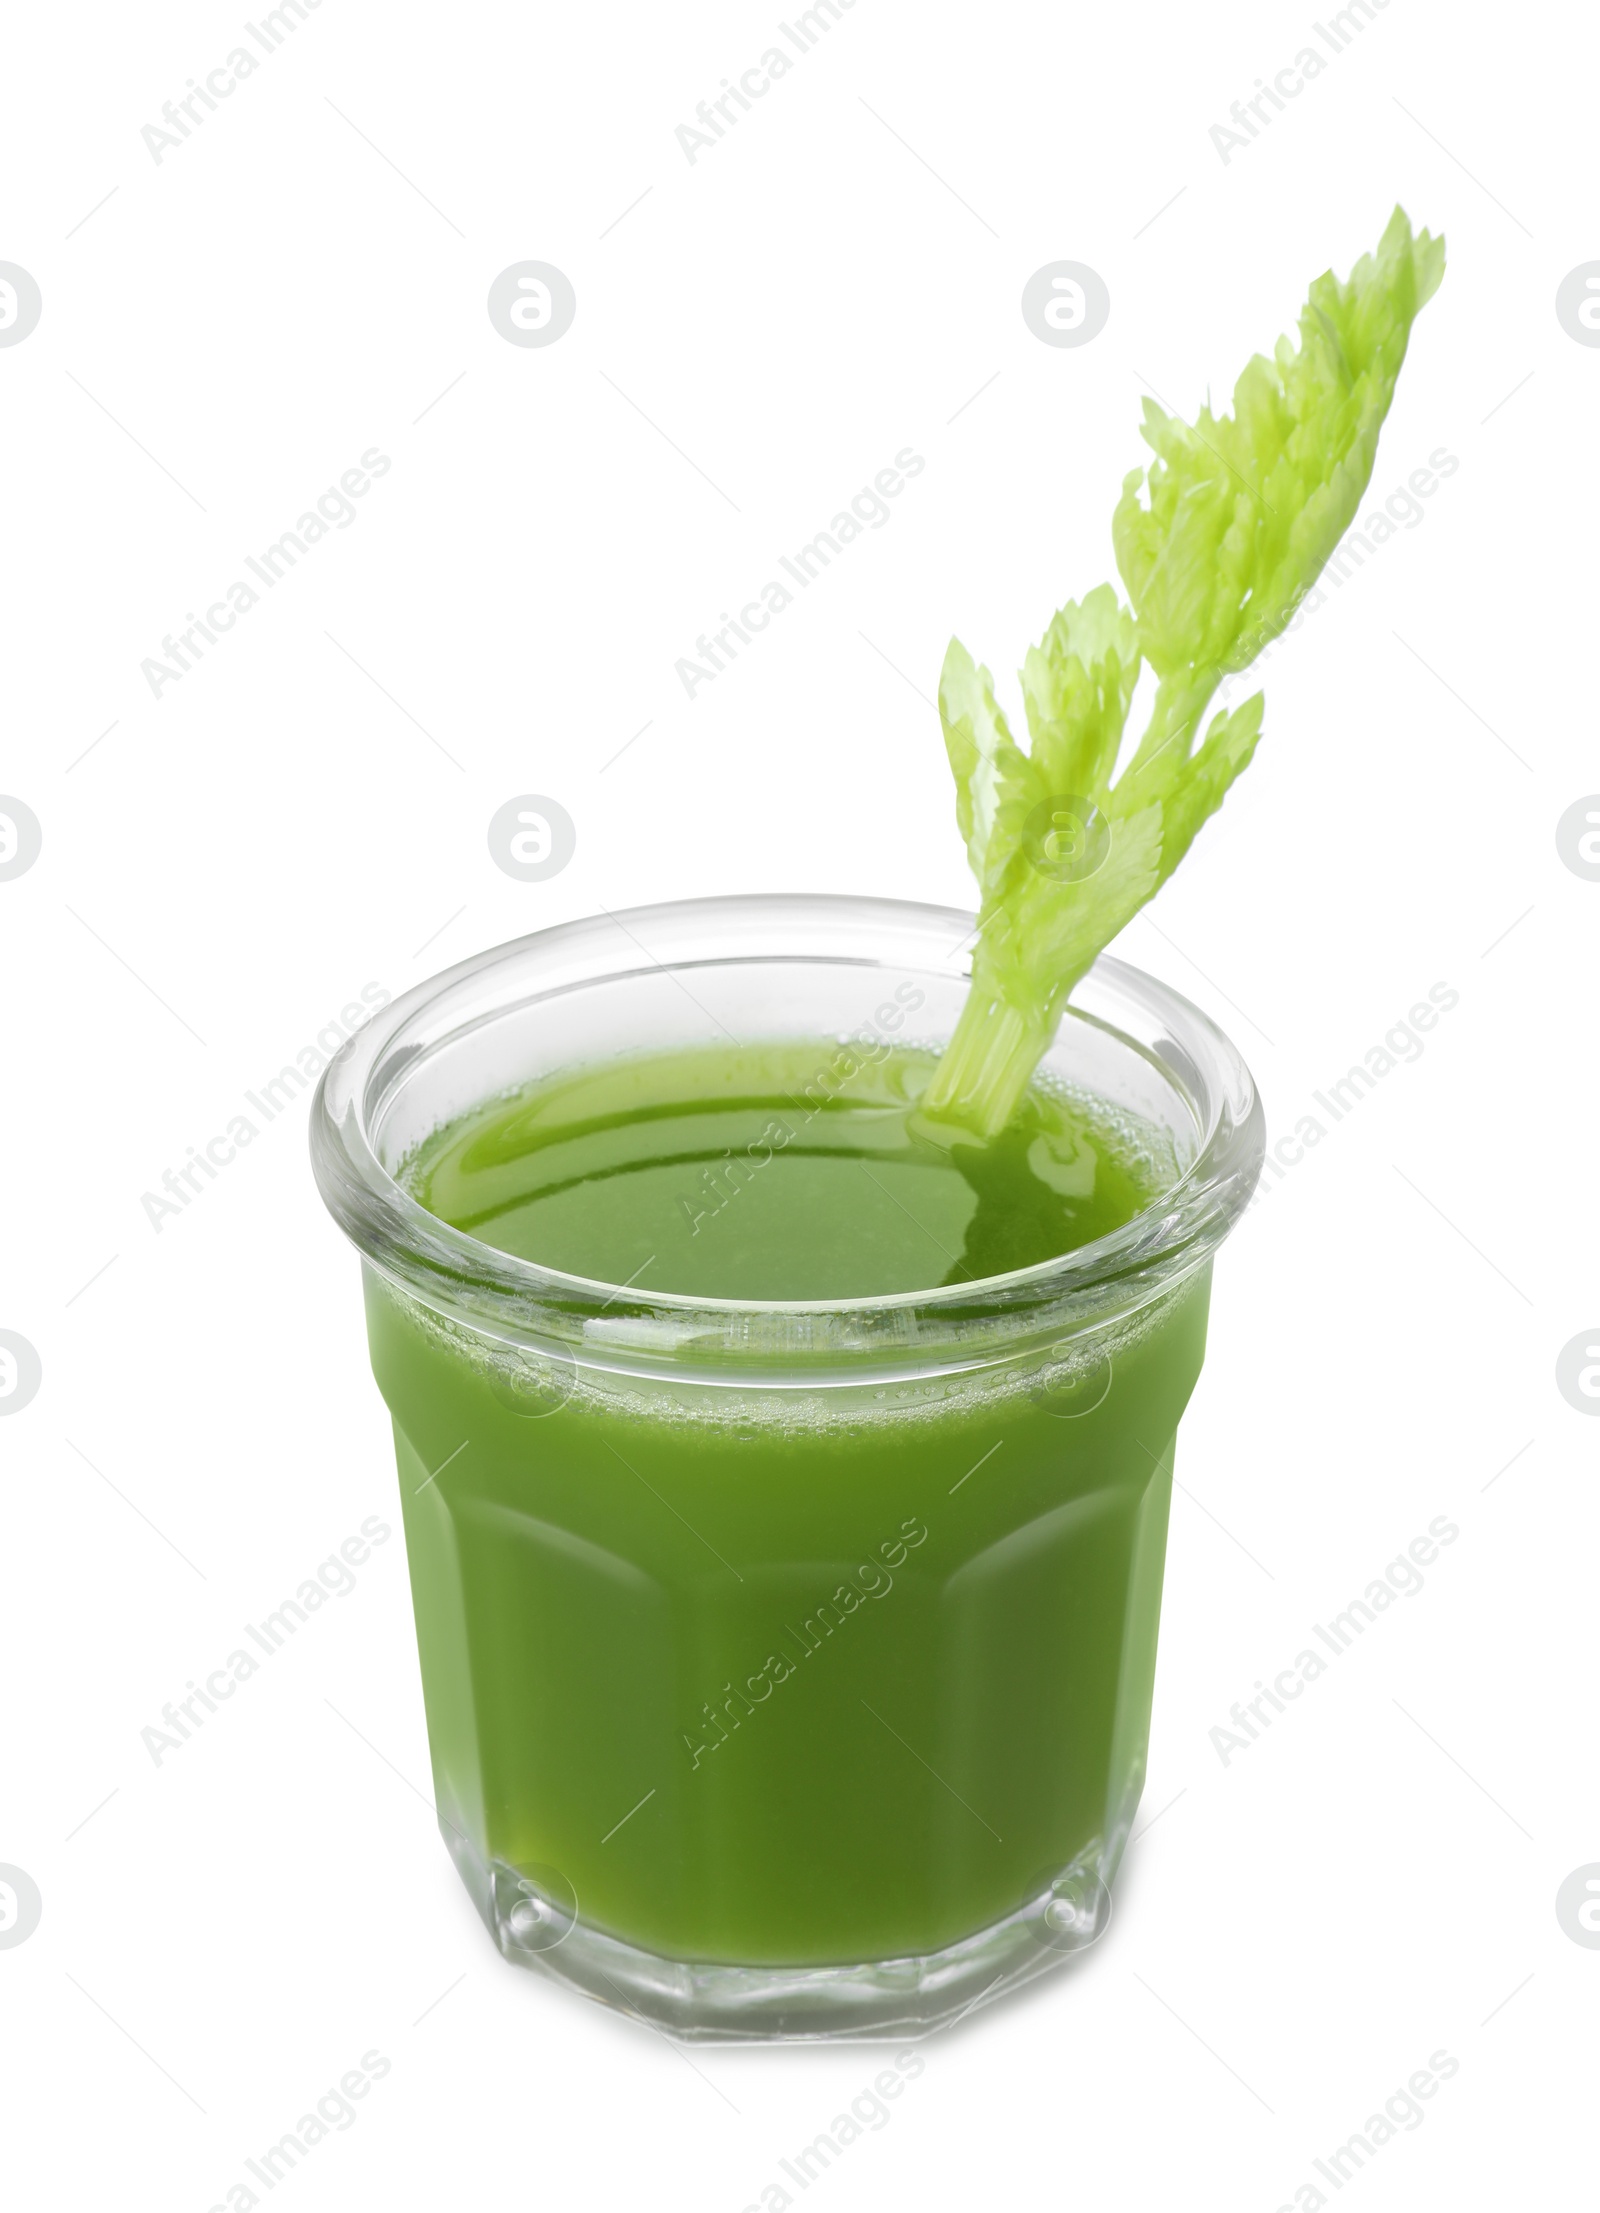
column 797, row 1676
column 786, row 1430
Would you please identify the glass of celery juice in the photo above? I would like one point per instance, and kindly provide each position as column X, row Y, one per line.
column 785, row 1479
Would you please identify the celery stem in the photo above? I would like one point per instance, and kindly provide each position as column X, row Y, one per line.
column 990, row 1059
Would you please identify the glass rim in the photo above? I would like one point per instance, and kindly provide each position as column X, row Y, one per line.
column 478, row 1283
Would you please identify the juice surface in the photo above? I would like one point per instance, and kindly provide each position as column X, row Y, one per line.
column 784, row 1171
column 768, row 1677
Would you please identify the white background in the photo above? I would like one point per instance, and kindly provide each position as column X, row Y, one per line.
column 226, row 1934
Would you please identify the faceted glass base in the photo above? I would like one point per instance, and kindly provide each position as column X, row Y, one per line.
column 875, row 2000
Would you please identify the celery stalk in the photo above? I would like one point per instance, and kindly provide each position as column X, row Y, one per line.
column 1217, row 543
